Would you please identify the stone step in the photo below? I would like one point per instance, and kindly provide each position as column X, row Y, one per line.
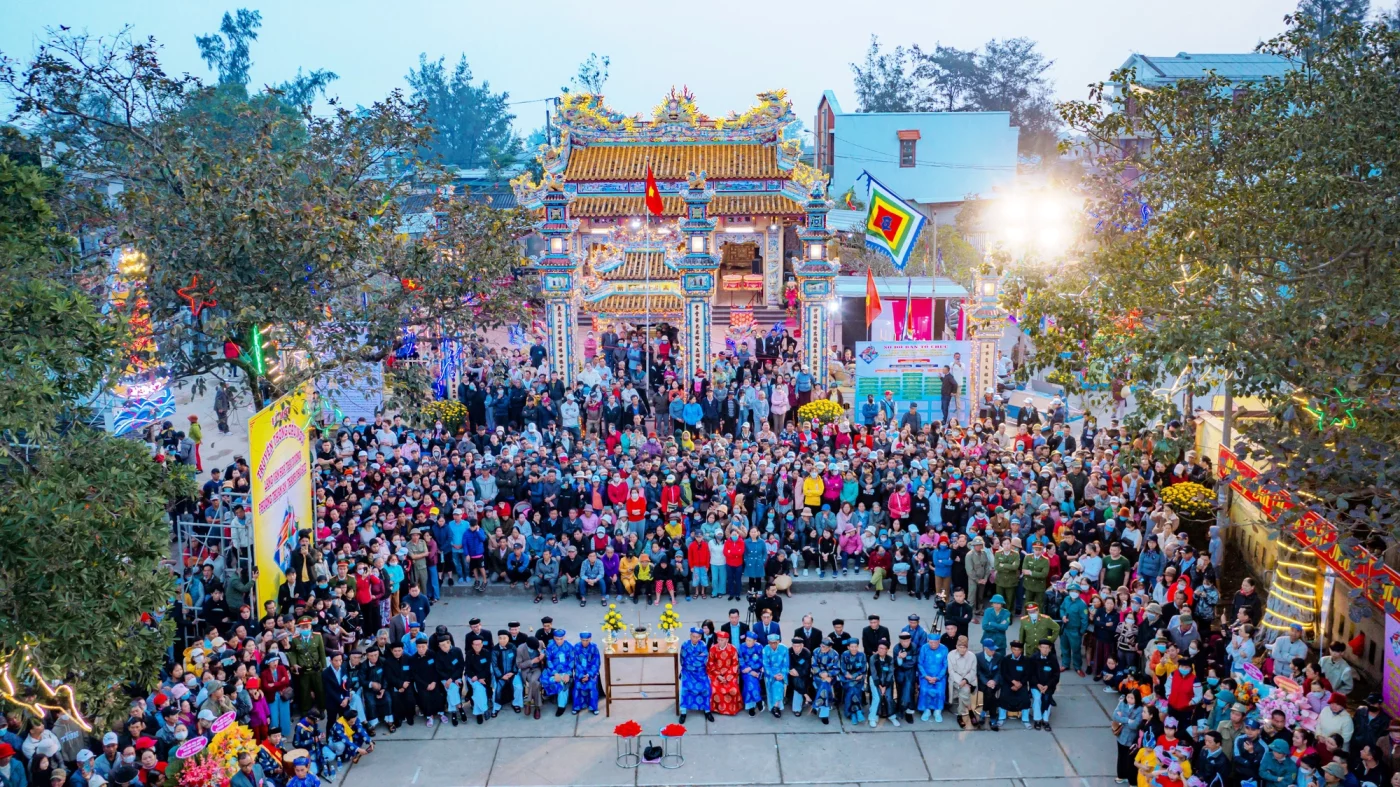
column 854, row 582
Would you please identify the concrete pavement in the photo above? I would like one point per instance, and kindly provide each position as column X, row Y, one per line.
column 580, row 750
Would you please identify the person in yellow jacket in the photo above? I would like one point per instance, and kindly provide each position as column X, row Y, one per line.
column 812, row 488
column 196, row 433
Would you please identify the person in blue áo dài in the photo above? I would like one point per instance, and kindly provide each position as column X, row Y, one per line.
column 775, row 673
column 588, row 662
column 559, row 670
column 906, row 675
column 826, row 666
column 695, row 681
column 854, row 670
column 933, row 679
column 751, row 672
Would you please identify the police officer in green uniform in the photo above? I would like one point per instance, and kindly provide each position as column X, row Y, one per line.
column 1036, row 627
column 308, row 657
column 1035, row 575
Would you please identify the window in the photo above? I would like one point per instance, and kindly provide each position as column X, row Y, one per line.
column 907, row 140
column 906, row 152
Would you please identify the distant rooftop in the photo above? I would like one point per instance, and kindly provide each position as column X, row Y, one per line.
column 1244, row 67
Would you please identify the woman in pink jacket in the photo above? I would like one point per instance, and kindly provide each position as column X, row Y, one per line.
column 900, row 504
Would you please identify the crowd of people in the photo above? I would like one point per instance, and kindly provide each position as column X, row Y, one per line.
column 638, row 484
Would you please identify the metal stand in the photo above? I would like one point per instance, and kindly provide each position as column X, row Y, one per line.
column 629, row 752
column 672, row 757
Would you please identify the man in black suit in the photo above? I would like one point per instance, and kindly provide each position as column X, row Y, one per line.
column 872, row 635
column 811, row 635
column 736, row 628
column 334, row 684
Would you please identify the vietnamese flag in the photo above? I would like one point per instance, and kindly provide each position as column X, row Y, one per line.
column 654, row 205
column 872, row 299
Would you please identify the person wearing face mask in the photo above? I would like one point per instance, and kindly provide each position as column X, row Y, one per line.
column 1184, row 693
column 1036, row 627
column 307, row 653
column 276, row 682
column 1074, row 622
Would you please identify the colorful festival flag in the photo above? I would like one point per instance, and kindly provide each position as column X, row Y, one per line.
column 891, row 224
column 872, row 299
column 654, row 205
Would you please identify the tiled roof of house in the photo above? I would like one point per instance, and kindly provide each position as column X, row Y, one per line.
column 672, row 162
column 635, row 304
column 635, row 264
column 724, row 205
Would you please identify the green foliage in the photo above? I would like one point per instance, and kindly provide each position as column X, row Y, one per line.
column 1003, row 76
column 471, row 124
column 289, row 219
column 1269, row 255
column 226, row 52
column 1329, row 15
column 82, row 514
column 882, row 83
column 85, row 540
column 592, row 75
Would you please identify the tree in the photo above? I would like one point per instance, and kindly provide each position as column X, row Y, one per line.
column 592, row 75
column 471, row 125
column 1002, row 76
column 255, row 215
column 883, row 84
column 82, row 514
column 1391, row 18
column 1254, row 237
column 227, row 54
column 1329, row 15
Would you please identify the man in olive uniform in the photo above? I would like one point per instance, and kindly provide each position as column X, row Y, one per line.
column 308, row 655
column 1035, row 575
column 1037, row 626
column 1008, row 568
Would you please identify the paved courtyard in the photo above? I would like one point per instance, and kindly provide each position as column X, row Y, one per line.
column 580, row 750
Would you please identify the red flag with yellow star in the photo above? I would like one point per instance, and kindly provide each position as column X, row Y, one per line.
column 654, row 205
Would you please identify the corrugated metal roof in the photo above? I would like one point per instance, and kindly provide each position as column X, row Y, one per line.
column 1242, row 67
column 900, row 286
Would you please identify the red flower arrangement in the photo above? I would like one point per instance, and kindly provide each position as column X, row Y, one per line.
column 673, row 730
column 627, row 729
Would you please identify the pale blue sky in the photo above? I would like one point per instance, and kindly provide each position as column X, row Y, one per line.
column 725, row 50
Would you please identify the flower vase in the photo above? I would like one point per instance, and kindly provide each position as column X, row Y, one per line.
column 608, row 641
column 672, row 641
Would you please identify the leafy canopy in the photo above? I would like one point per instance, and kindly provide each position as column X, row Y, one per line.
column 1003, row 76
column 471, row 125
column 82, row 514
column 293, row 222
column 1251, row 231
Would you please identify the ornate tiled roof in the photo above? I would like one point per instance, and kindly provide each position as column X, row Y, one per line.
column 724, row 205
column 672, row 162
column 634, row 304
column 634, row 267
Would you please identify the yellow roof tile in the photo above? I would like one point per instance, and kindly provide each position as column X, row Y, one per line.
column 635, row 304
column 672, row 162
column 724, row 205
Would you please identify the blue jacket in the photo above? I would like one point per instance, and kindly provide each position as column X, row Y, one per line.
column 942, row 562
column 755, row 557
column 677, row 409
column 474, row 542
column 868, row 412
column 692, row 413
column 1151, row 563
column 456, row 528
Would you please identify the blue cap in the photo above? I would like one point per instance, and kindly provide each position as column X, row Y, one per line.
column 751, row 634
column 560, row 633
column 989, row 643
column 914, row 617
column 1252, row 724
column 585, row 635
column 997, row 599
column 694, row 630
column 302, row 761
column 775, row 638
